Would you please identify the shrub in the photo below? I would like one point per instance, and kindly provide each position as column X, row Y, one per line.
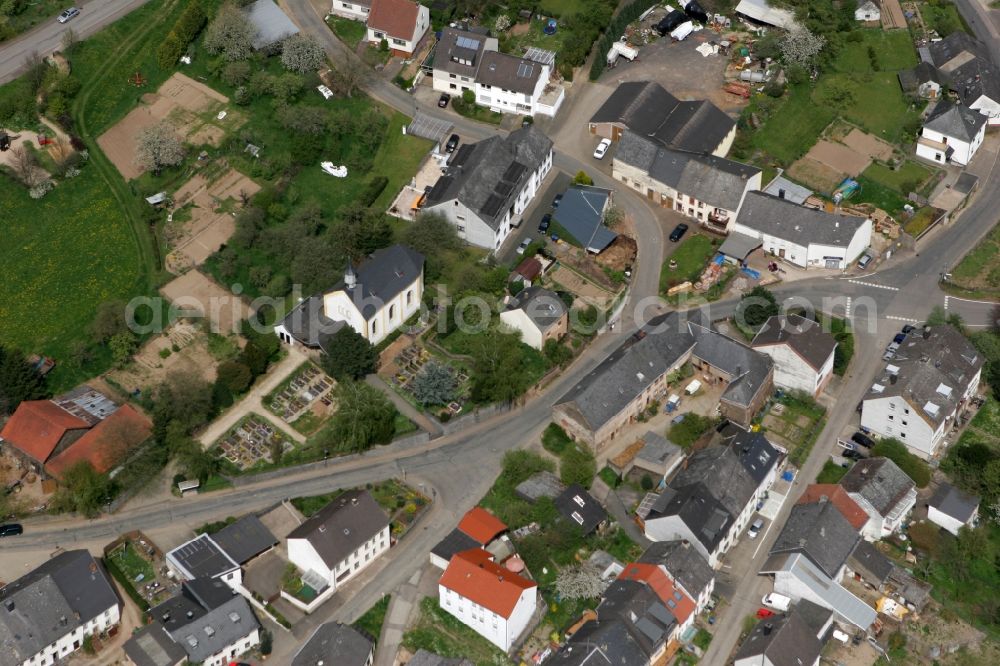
column 577, row 465
column 646, row 483
column 896, row 451
column 555, row 440
column 169, row 51
column 373, row 190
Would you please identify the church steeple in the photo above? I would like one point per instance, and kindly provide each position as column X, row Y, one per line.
column 350, row 277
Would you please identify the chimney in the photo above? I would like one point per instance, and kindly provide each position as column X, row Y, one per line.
column 190, row 614
column 165, row 617
column 767, row 628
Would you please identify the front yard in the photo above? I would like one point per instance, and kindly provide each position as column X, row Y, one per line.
column 441, row 633
column 794, row 422
column 348, row 31
column 403, row 504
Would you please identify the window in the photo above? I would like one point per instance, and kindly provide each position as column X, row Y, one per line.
column 392, row 314
column 904, row 423
column 460, row 228
column 374, row 327
column 906, row 411
column 891, row 417
column 399, row 42
column 379, row 35
column 903, row 435
column 452, row 86
column 892, row 405
column 451, row 76
column 409, row 297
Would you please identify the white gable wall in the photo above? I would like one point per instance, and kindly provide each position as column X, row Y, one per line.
column 350, row 10
column 500, row 631
column 989, row 108
column 400, row 43
column 521, row 322
column 791, row 371
column 953, row 525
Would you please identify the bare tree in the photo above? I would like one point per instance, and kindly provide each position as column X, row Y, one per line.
column 69, row 39
column 25, row 166
column 349, row 74
column 34, row 70
column 800, row 47
column 158, row 147
column 580, row 582
column 613, row 217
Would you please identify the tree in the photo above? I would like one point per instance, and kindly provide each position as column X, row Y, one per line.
column 756, row 307
column 349, row 355
column 69, row 40
column 499, row 373
column 364, row 417
column 468, row 97
column 108, row 321
column 613, row 217
column 196, row 462
column 581, row 178
column 519, row 465
column 349, row 74
column 231, row 34
column 184, row 398
column 236, row 73
column 912, row 466
column 689, row 430
column 25, row 166
column 19, row 380
column 122, row 346
column 430, row 233
column 234, row 375
column 301, row 53
column 82, row 490
column 940, row 317
column 434, row 384
column 557, row 353
column 800, row 47
column 158, row 146
column 577, row 466
column 582, row 581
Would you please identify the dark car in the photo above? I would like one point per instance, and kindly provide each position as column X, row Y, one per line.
column 863, row 439
column 899, row 338
column 452, row 143
column 852, row 455
column 678, row 232
column 557, row 200
column 12, row 529
column 669, row 22
column 909, row 328
column 444, row 99
column 543, row 226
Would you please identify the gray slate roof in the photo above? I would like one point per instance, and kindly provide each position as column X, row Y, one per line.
column 738, row 245
column 152, row 646
column 604, row 643
column 245, row 539
column 798, row 224
column 51, row 601
column 820, row 532
column 455, row 54
column 754, row 451
column 488, row 175
column 308, row 324
column 832, row 594
column 196, row 598
column 542, row 484
column 658, row 450
column 953, row 502
column 786, row 640
column 815, row 616
column 792, row 191
column 911, row 79
column 880, row 481
column 648, row 109
column 201, row 557
column 581, row 213
column 425, row 658
column 684, row 564
column 640, row 609
column 714, row 180
column 216, row 630
column 627, row 372
column 455, row 542
column 873, row 566
column 334, row 643
column 578, row 507
column 959, row 122
column 543, row 307
column 272, row 24
column 749, row 370
column 508, row 72
column 726, row 474
column 341, row 526
column 966, row 63
column 706, row 517
column 803, row 336
column 926, row 361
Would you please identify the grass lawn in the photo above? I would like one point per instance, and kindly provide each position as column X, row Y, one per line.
column 371, row 622
column 476, row 112
column 691, row 256
column 132, row 564
column 440, row 632
column 799, row 424
column 831, row 473
column 889, row 200
column 916, row 224
column 794, row 127
column 893, row 51
column 560, row 8
column 350, row 32
column 979, row 270
column 909, row 177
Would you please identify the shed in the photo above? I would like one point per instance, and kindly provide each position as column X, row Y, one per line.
column 952, row 508
column 658, row 457
column 737, row 247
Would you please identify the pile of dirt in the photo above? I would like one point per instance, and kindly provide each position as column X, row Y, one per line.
column 620, row 254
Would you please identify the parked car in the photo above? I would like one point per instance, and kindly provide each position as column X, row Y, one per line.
column 452, row 143
column 755, row 528
column 763, row 613
column 523, row 246
column 909, row 328
column 893, row 347
column 11, row 529
column 557, row 200
column 777, row 601
column 888, row 355
column 863, row 439
column 851, row 454
column 678, row 232
column 864, row 261
column 69, row 14
column 543, row 226
column 900, row 337
column 602, row 148
column 444, row 99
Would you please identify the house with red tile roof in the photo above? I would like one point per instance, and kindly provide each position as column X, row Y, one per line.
column 104, row 445
column 402, row 23
column 39, row 427
column 477, row 529
column 835, row 494
column 493, row 601
column 673, row 595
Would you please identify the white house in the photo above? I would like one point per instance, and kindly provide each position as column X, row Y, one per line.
column 374, row 299
column 539, row 315
column 780, row 640
column 46, row 614
column 488, row 185
column 928, row 383
column 494, row 602
column 401, row 23
column 867, row 11
column 965, row 63
column 705, row 188
column 953, row 509
column 457, row 57
column 803, row 236
column 220, row 635
column 356, row 10
column 801, row 350
column 202, row 557
column 884, row 492
column 343, row 539
column 509, row 84
column 951, row 133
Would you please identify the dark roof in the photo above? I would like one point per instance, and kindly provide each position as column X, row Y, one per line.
column 335, row 644
column 749, row 370
column 456, row 542
column 245, row 539
column 911, row 79
column 725, row 472
column 821, row 533
column 815, row 616
column 459, row 52
column 201, row 557
column 966, row 63
column 804, row 336
column 754, row 451
column 543, row 307
column 658, row 450
column 953, row 502
column 714, row 180
column 683, row 562
column 270, row 23
column 880, row 481
column 648, row 109
column 508, row 72
column 196, row 598
column 581, row 214
column 488, row 175
column 541, row 484
column 695, row 505
column 786, row 640
column 604, row 643
column 308, row 324
column 873, row 566
column 640, row 609
column 966, row 182
column 578, row 507
column 216, row 630
column 738, row 245
column 52, row 600
column 341, row 526
column 804, row 226
column 956, row 121
column 627, row 372
column 152, row 646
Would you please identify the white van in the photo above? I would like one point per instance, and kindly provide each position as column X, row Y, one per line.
column 777, row 601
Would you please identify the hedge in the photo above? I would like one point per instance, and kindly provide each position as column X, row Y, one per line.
column 120, row 576
column 185, row 29
column 373, row 190
column 616, row 29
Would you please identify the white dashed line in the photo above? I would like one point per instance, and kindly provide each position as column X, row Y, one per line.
column 847, row 309
column 908, row 320
column 946, row 302
column 872, row 284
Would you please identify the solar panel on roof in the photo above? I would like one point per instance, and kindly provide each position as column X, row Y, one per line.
column 467, row 43
column 525, row 69
column 513, row 172
column 492, row 206
column 503, row 189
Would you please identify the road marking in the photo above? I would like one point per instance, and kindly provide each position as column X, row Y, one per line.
column 966, row 300
column 908, row 320
column 872, row 284
column 847, row 309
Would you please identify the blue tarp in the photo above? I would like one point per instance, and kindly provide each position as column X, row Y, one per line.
column 751, row 272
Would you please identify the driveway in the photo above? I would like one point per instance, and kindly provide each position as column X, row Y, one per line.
column 555, row 183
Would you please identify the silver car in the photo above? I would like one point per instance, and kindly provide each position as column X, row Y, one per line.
column 69, row 14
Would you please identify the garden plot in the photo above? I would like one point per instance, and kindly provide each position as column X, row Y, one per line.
column 206, row 224
column 182, row 347
column 197, row 293
column 253, row 442
column 845, row 151
column 309, row 389
column 408, row 363
column 584, row 289
column 192, row 108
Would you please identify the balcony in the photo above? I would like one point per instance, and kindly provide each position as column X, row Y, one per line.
column 717, row 221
